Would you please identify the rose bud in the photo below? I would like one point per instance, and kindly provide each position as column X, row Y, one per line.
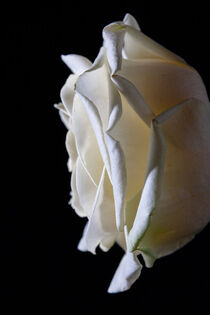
column 138, row 138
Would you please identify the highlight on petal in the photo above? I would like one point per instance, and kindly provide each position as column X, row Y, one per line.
column 131, row 21
column 76, row 63
column 127, row 272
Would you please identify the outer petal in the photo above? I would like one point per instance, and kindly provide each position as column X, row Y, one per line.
column 72, row 150
column 77, row 64
column 64, row 115
column 75, row 200
column 68, row 92
column 163, row 84
column 113, row 35
column 152, row 187
column 180, row 214
column 131, row 21
column 88, row 151
column 85, row 188
column 101, row 224
column 128, row 271
column 138, row 46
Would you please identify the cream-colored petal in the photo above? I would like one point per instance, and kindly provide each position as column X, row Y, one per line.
column 75, row 199
column 68, row 92
column 94, row 86
column 107, row 242
column 133, row 136
column 86, row 142
column 101, row 224
column 139, row 46
column 163, row 84
column 117, row 156
column 184, row 207
column 113, row 36
column 134, row 98
column 127, row 272
column 115, row 106
column 85, row 188
column 64, row 115
column 72, row 150
column 97, row 126
column 118, row 171
column 100, row 96
column 131, row 21
column 152, row 187
column 76, row 63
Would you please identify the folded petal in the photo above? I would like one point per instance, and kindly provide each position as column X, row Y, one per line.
column 85, row 188
column 86, row 142
column 127, row 272
column 133, row 135
column 118, row 171
column 75, row 199
column 68, row 92
column 101, row 224
column 131, row 21
column 64, row 115
column 72, row 150
column 134, row 98
column 152, row 187
column 76, row 63
column 113, row 35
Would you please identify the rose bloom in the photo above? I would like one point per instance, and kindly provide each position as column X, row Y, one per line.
column 138, row 138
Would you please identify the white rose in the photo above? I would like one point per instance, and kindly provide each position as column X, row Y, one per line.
column 138, row 140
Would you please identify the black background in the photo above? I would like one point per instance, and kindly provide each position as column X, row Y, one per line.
column 46, row 274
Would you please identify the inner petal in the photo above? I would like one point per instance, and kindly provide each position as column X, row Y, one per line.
column 86, row 142
column 133, row 135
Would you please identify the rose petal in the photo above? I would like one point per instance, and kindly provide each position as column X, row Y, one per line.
column 64, row 115
column 68, row 92
column 88, row 151
column 131, row 21
column 75, row 200
column 113, row 35
column 101, row 224
column 127, row 272
column 162, row 83
column 85, row 188
column 134, row 98
column 133, row 136
column 152, row 187
column 76, row 63
column 180, row 213
column 72, row 150
column 139, row 46
column 118, row 171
